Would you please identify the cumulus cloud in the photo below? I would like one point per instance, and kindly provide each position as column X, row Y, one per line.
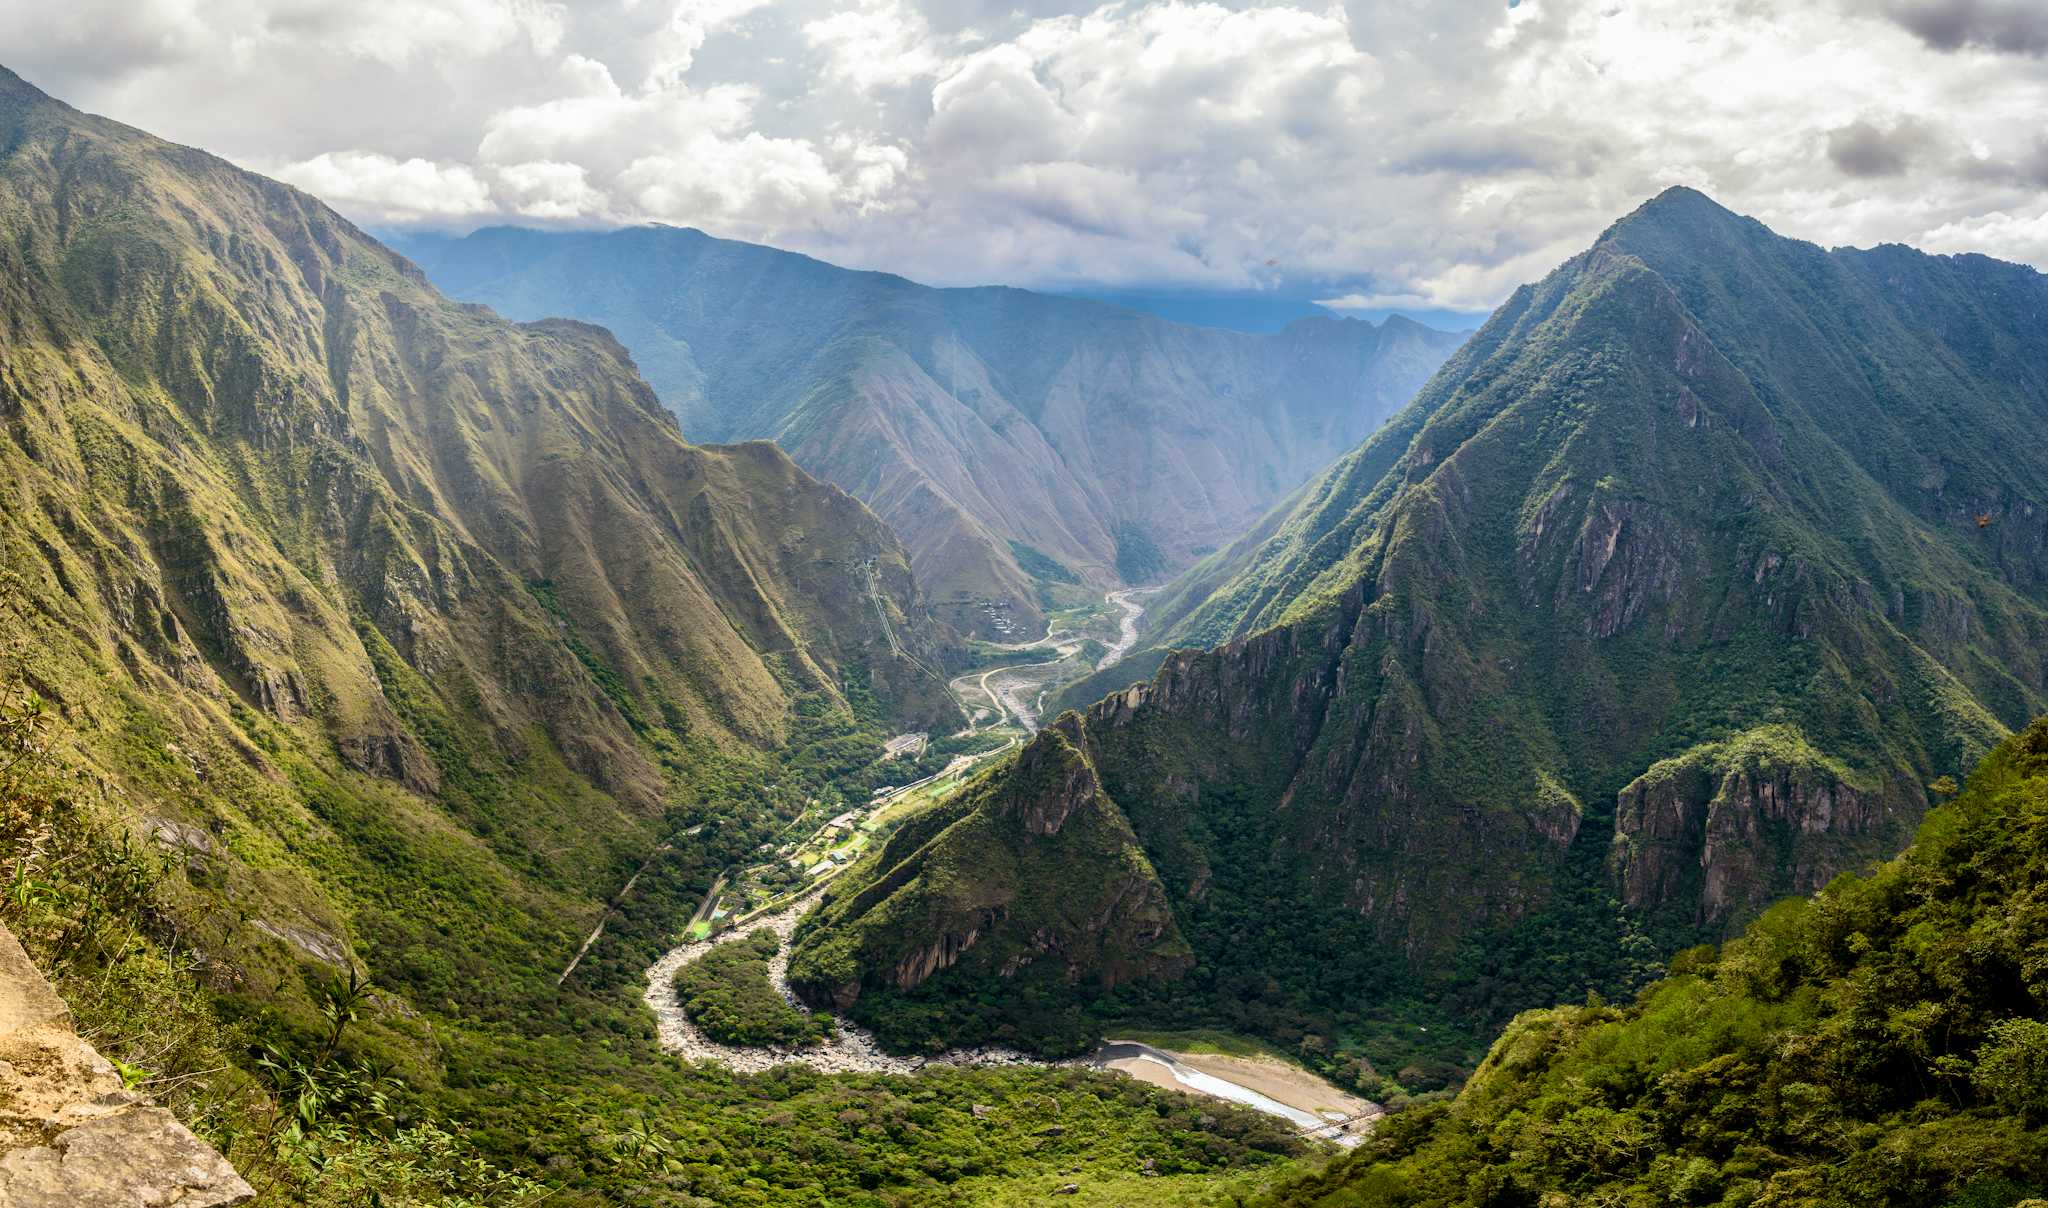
column 879, row 44
column 548, row 190
column 1373, row 153
column 2022, row 236
column 2011, row 26
column 390, row 190
column 1863, row 148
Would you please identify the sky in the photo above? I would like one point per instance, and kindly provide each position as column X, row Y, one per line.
column 1427, row 155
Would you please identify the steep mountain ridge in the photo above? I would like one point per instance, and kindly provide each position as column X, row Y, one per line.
column 1879, row 1043
column 1608, row 612
column 416, row 630
column 1116, row 445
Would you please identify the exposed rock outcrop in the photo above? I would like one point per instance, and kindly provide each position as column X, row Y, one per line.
column 1732, row 826
column 70, row 1135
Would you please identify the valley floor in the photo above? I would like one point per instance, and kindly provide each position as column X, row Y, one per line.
column 1267, row 1084
column 1016, row 693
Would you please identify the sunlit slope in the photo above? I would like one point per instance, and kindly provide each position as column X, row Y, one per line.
column 1012, row 438
column 1663, row 600
column 419, row 620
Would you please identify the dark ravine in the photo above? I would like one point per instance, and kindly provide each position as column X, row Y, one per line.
column 1017, row 441
column 1670, row 589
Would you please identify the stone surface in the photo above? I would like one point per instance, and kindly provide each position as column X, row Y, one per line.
column 138, row 1156
column 70, row 1134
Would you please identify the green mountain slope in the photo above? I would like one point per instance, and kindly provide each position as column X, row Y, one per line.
column 1662, row 601
column 418, row 630
column 1885, row 1042
column 1117, row 445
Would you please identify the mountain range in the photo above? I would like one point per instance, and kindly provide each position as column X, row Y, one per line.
column 415, row 629
column 385, row 683
column 1016, row 441
column 1665, row 599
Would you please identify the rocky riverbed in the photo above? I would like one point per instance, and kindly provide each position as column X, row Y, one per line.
column 851, row 1050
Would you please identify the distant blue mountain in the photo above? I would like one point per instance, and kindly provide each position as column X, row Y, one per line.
column 1263, row 312
column 1021, row 444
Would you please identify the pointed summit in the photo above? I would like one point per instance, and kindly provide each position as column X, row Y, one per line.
column 1680, row 220
column 17, row 93
column 1681, row 549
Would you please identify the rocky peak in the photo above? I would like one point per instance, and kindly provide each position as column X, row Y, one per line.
column 1052, row 779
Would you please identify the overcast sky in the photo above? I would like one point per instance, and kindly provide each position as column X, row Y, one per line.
column 1423, row 153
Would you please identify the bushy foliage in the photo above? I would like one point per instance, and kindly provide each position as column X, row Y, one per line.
column 1885, row 1042
column 1138, row 559
column 1041, row 565
column 729, row 994
column 88, row 903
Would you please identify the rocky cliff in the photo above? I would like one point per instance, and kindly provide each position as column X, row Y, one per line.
column 1672, row 590
column 1034, row 878
column 1013, row 439
column 71, row 1134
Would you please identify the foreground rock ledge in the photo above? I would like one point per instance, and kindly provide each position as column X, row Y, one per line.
column 70, row 1136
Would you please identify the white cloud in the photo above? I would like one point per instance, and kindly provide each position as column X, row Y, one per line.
column 1433, row 154
column 690, row 22
column 548, row 190
column 387, row 189
column 756, row 182
column 877, row 44
column 2020, row 236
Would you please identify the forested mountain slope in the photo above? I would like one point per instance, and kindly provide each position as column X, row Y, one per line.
column 1664, row 600
column 1013, row 439
column 412, row 630
column 1884, row 1042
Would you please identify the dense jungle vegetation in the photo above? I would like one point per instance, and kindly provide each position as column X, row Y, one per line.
column 1883, row 1042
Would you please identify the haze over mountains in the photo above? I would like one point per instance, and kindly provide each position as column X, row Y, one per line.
column 1662, row 601
column 414, row 627
column 1012, row 439
column 389, row 690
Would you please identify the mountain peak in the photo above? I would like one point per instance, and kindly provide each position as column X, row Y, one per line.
column 21, row 92
column 1678, row 208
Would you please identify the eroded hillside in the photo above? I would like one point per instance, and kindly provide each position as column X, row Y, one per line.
column 1665, row 599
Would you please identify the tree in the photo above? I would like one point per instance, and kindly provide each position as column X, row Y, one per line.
column 2012, row 1067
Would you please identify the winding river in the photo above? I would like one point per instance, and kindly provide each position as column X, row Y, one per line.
column 853, row 1049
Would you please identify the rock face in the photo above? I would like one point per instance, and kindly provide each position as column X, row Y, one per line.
column 1034, row 879
column 992, row 428
column 1761, row 816
column 1674, row 586
column 70, row 1135
column 303, row 548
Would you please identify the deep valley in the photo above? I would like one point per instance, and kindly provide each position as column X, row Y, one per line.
column 1483, row 676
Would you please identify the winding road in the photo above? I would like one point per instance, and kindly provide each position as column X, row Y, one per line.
column 1010, row 688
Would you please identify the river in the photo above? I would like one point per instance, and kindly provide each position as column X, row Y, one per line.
column 855, row 1050
column 1018, row 692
